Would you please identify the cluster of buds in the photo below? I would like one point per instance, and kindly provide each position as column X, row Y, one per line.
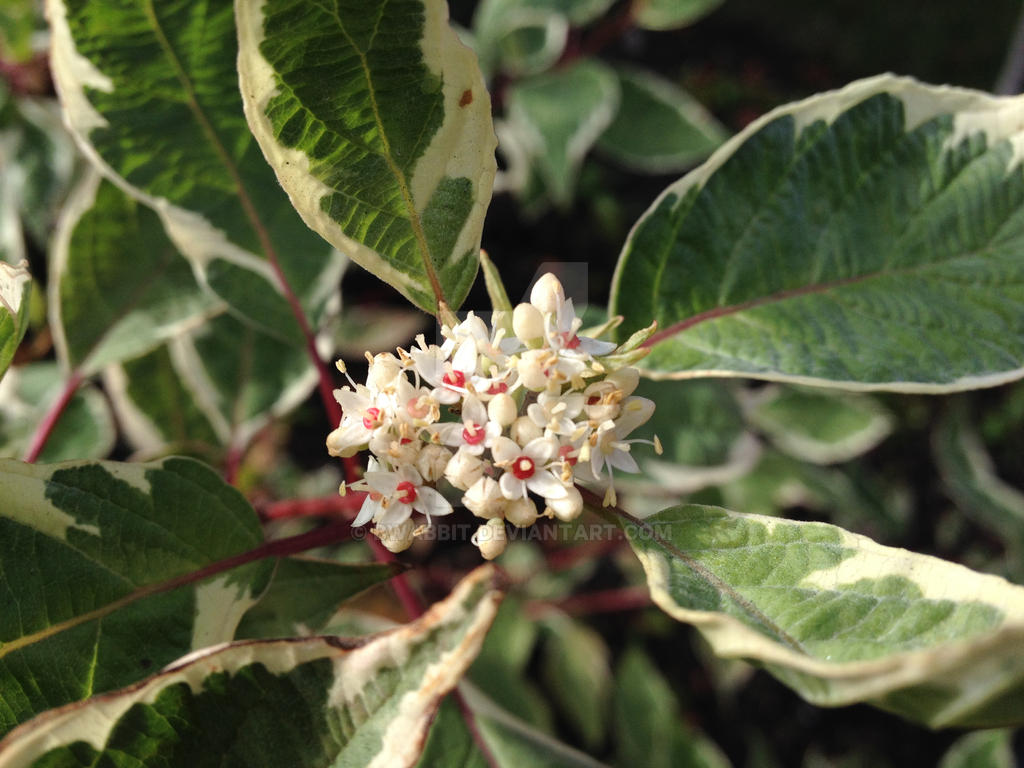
column 508, row 414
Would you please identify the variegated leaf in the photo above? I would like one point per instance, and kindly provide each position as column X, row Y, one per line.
column 95, row 590
column 15, row 287
column 215, row 385
column 868, row 238
column 301, row 702
column 150, row 91
column 659, row 127
column 818, row 426
column 85, row 429
column 118, row 286
column 840, row 618
column 555, row 119
column 377, row 122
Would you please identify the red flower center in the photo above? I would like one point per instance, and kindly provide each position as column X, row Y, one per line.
column 406, row 492
column 372, row 418
column 523, row 467
column 564, row 452
column 573, row 342
column 593, row 400
column 473, row 434
column 454, row 379
column 498, row 388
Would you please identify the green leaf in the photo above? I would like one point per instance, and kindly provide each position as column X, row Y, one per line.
column 558, row 116
column 500, row 670
column 383, row 142
column 659, row 127
column 301, row 702
column 969, row 476
column 511, row 742
column 818, row 426
column 150, row 91
column 85, row 430
column 672, row 14
column 305, row 593
column 118, row 286
column 839, row 618
column 95, row 590
column 15, row 287
column 985, row 749
column 868, row 238
column 576, row 667
column 217, row 384
column 649, row 727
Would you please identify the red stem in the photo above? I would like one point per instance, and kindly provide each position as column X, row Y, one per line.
column 410, row 600
column 46, row 426
column 327, row 506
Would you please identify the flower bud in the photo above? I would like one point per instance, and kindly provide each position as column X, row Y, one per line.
column 502, row 409
column 569, row 506
column 491, row 538
column 397, row 538
column 484, row 498
column 532, row 369
column 383, row 371
column 527, row 322
column 521, row 512
column 432, row 462
column 547, row 294
column 523, row 430
column 626, row 379
column 463, row 469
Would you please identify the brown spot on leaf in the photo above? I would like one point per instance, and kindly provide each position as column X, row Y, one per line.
column 467, row 98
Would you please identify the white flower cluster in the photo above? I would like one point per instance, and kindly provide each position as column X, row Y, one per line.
column 504, row 414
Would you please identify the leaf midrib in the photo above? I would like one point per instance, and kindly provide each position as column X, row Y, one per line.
column 207, row 128
column 400, row 180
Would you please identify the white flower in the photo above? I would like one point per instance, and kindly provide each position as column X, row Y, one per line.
column 392, row 497
column 607, row 446
column 526, row 468
column 364, row 412
column 555, row 413
column 447, row 377
column 474, row 433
